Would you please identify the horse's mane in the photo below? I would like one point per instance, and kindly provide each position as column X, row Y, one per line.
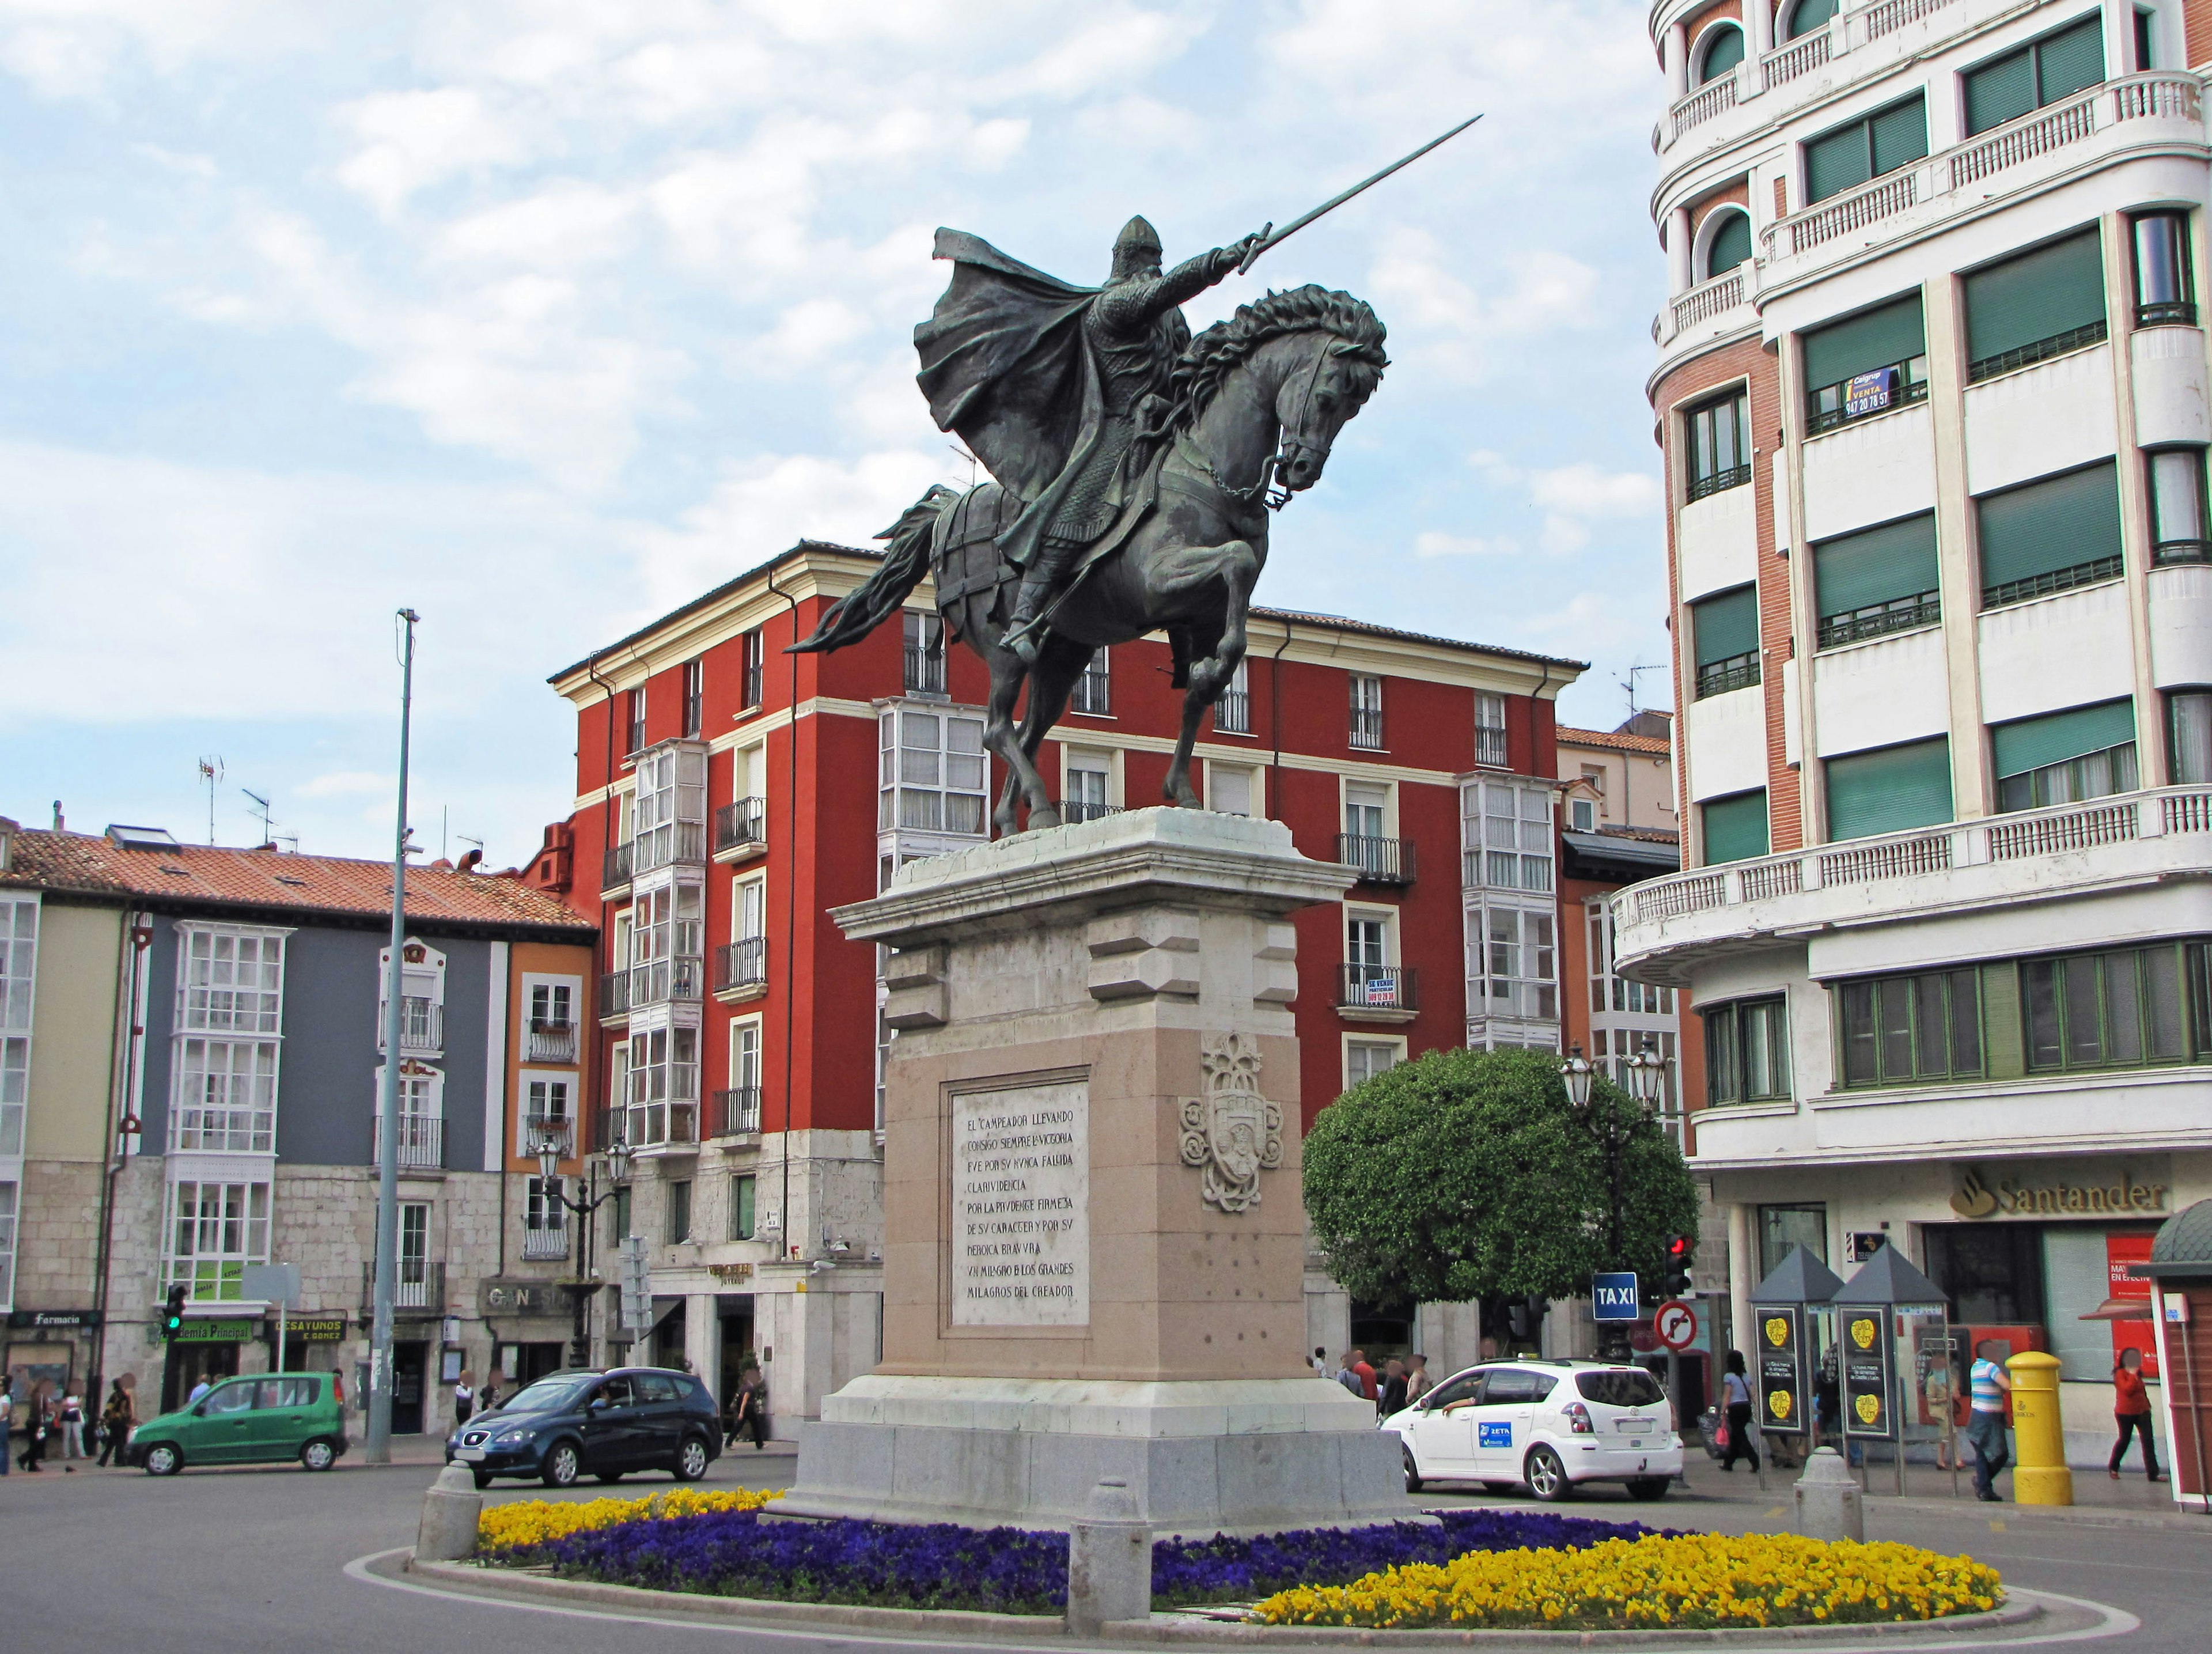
column 1207, row 360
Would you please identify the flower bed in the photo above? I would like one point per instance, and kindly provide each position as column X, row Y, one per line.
column 1685, row 1580
column 728, row 1551
column 521, row 1527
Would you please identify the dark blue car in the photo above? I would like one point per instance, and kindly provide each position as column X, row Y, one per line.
column 601, row 1423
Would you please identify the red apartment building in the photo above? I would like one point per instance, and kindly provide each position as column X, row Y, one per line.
column 729, row 795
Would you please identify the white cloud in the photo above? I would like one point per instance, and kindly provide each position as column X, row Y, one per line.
column 341, row 783
column 567, row 223
column 1430, row 543
column 1572, row 497
column 410, row 140
column 1476, row 320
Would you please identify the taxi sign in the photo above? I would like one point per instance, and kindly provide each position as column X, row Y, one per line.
column 1613, row 1296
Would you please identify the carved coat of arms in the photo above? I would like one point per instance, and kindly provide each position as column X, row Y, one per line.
column 1232, row 1131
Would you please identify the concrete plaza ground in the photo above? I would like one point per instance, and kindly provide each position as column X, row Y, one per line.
column 251, row 1560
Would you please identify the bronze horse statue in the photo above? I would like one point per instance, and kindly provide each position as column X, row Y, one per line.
column 1252, row 404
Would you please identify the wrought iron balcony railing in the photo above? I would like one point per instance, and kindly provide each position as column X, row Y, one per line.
column 421, row 1142
column 550, row 1042
column 742, row 964
column 739, row 823
column 736, row 1111
column 1380, row 860
column 1377, row 988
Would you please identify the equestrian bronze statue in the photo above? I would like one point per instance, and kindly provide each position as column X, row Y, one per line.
column 1134, row 467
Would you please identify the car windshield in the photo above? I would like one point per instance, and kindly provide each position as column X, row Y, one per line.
column 550, row 1395
column 1630, row 1388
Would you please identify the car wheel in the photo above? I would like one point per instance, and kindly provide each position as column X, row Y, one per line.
column 609, row 1477
column 1412, row 1471
column 483, row 1478
column 163, row 1460
column 1649, row 1486
column 319, row 1454
column 691, row 1460
column 1501, row 1487
column 1548, row 1476
column 562, row 1465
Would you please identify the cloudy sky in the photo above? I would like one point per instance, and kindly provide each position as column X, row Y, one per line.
column 541, row 316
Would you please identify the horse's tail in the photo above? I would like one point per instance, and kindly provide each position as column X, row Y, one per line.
column 906, row 559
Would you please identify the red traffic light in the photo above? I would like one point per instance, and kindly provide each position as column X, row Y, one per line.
column 1679, row 1247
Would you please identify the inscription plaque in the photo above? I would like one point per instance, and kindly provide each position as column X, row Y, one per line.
column 1021, row 1206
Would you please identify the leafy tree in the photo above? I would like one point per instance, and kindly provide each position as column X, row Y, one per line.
column 1468, row 1175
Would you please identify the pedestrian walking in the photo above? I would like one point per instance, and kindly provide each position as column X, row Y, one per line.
column 495, row 1387
column 749, row 1415
column 117, row 1420
column 1935, row 1389
column 1735, row 1396
column 464, row 1397
column 1345, row 1375
column 1319, row 1361
column 1393, row 1397
column 2132, row 1408
column 1990, row 1387
column 38, row 1419
column 1369, row 1390
column 1417, row 1377
column 7, row 1426
column 72, row 1427
column 198, row 1390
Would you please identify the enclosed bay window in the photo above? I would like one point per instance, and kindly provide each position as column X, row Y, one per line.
column 2051, row 535
column 14, row 1092
column 8, row 1204
column 1748, row 1052
column 231, row 982
column 1866, row 148
column 2188, row 736
column 2038, row 305
column 1890, row 789
column 670, row 823
column 19, row 954
column 1866, row 364
column 214, row 1230
column 226, row 1097
column 667, row 938
column 663, row 1083
column 1366, row 710
column 925, row 651
column 2034, row 76
column 1895, row 1030
column 1734, row 828
column 2063, row 757
column 1505, row 831
column 2178, row 530
column 2166, row 291
column 1515, row 965
column 1725, row 630
column 1720, row 442
column 931, row 772
column 1876, row 581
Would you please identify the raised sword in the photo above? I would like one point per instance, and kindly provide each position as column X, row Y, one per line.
column 1271, row 235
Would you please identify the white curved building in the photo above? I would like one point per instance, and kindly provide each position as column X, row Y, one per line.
column 1932, row 384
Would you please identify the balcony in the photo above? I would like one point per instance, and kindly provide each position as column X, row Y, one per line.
column 1380, row 860
column 1367, row 993
column 1665, row 927
column 1074, row 810
column 735, row 1112
column 925, row 670
column 741, row 970
column 550, row 1042
column 1490, row 746
column 607, row 1125
column 1367, row 727
column 555, row 1131
column 420, row 1290
column 666, row 982
column 1232, row 712
column 422, row 1026
column 421, row 1142
column 616, row 870
column 1704, row 304
column 2158, row 110
column 614, row 996
column 542, row 1245
column 740, row 829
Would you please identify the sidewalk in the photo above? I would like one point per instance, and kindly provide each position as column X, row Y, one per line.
column 2132, row 1501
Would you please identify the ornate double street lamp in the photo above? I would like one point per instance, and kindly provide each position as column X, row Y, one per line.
column 549, row 1181
column 1647, row 1084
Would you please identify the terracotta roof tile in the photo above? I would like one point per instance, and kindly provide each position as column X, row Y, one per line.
column 220, row 876
column 1613, row 740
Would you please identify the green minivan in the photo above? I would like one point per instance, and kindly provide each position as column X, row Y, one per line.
column 264, row 1419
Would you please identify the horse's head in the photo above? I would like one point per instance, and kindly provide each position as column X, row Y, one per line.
column 1329, row 380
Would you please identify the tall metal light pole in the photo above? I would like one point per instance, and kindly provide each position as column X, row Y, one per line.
column 378, row 1448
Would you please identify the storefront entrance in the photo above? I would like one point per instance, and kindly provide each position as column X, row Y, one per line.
column 407, row 1385
column 188, row 1364
column 525, row 1364
column 737, row 1320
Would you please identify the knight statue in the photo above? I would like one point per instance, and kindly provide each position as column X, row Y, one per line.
column 1007, row 343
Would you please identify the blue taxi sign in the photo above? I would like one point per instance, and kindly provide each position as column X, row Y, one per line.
column 1613, row 1297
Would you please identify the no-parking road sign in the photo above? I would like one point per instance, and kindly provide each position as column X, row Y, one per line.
column 1676, row 1323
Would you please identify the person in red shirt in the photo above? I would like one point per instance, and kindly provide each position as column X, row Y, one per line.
column 1366, row 1374
column 2131, row 1408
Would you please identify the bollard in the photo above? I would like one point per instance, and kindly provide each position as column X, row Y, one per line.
column 450, row 1510
column 1829, row 1504
column 2039, row 1475
column 1110, row 1561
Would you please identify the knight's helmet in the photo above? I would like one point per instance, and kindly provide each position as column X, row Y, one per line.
column 1137, row 248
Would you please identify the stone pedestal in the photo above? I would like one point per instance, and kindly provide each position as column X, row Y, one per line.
column 1094, row 1237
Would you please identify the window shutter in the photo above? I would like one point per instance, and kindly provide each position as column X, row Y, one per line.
column 2058, row 523
column 1898, row 134
column 1873, row 339
column 1722, row 53
column 2004, row 1049
column 1727, row 625
column 1890, row 790
column 2036, row 296
column 2000, row 91
column 2070, row 61
column 1877, row 565
column 2032, row 742
column 1736, row 828
column 1809, row 15
column 1730, row 246
column 1837, row 162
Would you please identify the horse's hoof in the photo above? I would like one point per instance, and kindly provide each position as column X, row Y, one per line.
column 1040, row 819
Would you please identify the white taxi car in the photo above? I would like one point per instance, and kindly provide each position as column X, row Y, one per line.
column 1549, row 1425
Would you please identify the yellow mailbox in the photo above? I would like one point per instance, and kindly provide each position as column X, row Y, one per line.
column 2039, row 1475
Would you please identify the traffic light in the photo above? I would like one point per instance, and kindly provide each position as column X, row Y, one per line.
column 1680, row 1251
column 172, row 1313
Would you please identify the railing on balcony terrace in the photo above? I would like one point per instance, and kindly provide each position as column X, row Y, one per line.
column 607, row 1127
column 1367, row 727
column 540, row 1243
column 925, row 671
column 740, row 822
column 420, row 1289
column 1901, row 614
column 736, row 1111
column 616, row 867
column 555, row 1131
column 614, row 995
column 1799, row 56
column 421, row 1142
column 741, row 964
column 1380, row 860
column 1377, row 988
column 550, row 1042
column 1736, row 672
column 1717, row 482
column 1724, row 293
column 1232, row 712
column 1074, row 810
column 1891, row 15
column 1490, row 748
column 2060, row 829
column 422, row 1024
column 1713, row 98
column 2134, row 97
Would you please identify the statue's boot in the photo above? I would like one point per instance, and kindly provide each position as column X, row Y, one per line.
column 1024, row 632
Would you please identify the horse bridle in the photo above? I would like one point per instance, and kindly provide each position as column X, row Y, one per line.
column 1277, row 498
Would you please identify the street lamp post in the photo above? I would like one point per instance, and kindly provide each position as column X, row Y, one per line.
column 377, row 1448
column 1647, row 1082
column 548, row 1180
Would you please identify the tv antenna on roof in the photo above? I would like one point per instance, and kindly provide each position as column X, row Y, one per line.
column 210, row 773
column 264, row 803
column 1629, row 681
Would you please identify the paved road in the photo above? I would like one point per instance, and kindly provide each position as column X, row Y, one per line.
column 250, row 1561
